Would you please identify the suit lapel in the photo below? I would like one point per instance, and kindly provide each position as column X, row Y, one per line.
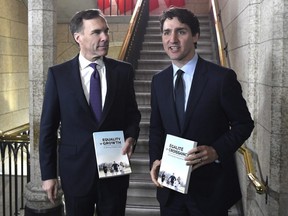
column 198, row 84
column 111, row 79
column 168, row 97
column 76, row 85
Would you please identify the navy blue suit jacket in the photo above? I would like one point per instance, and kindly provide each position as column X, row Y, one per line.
column 217, row 116
column 65, row 103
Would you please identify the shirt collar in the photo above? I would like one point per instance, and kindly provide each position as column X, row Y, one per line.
column 188, row 68
column 83, row 62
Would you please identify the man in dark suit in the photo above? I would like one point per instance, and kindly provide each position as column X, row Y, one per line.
column 67, row 104
column 215, row 115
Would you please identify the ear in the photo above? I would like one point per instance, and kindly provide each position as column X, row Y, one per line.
column 77, row 37
column 195, row 37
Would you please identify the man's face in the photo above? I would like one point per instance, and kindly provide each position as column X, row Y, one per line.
column 178, row 41
column 93, row 40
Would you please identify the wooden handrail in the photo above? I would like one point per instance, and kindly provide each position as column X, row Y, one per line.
column 259, row 186
column 129, row 33
column 219, row 33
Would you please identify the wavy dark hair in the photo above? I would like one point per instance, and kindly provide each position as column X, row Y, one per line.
column 184, row 16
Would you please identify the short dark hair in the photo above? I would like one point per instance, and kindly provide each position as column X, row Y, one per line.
column 184, row 16
column 76, row 22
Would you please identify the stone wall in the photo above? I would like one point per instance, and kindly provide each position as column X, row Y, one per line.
column 256, row 33
column 14, row 90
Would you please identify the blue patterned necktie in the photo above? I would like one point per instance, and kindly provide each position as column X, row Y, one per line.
column 179, row 97
column 95, row 93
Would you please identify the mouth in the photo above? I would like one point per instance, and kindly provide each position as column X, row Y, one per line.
column 174, row 48
column 105, row 46
column 102, row 47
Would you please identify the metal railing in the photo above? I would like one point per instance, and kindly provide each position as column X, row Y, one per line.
column 15, row 169
column 260, row 187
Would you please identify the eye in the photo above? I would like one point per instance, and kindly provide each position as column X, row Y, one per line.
column 97, row 32
column 106, row 31
column 181, row 32
column 166, row 32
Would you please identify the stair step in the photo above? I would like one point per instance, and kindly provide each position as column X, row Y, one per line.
column 153, row 64
column 142, row 142
column 142, row 184
column 145, row 112
column 140, row 163
column 142, row 74
column 140, row 158
column 142, row 206
column 142, row 85
column 141, row 189
column 153, row 54
column 140, row 201
column 143, row 202
column 140, row 211
column 144, row 132
column 143, row 98
column 142, row 146
column 140, row 177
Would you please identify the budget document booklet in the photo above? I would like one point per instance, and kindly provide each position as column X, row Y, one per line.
column 110, row 160
column 173, row 172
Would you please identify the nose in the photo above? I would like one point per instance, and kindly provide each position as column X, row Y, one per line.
column 104, row 36
column 173, row 37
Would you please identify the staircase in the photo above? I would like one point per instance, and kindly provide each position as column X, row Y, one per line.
column 142, row 192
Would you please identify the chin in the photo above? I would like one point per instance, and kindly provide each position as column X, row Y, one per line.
column 174, row 58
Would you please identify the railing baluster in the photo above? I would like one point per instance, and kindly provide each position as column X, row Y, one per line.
column 14, row 144
column 3, row 147
column 16, row 177
column 10, row 178
column 22, row 176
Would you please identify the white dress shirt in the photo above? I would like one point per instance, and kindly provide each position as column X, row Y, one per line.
column 189, row 70
column 86, row 72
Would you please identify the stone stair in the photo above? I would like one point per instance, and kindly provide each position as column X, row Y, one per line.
column 142, row 192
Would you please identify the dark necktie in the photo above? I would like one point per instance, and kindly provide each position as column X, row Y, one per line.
column 95, row 93
column 179, row 97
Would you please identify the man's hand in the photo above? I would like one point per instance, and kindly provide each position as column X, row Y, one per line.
column 200, row 156
column 51, row 188
column 155, row 171
column 128, row 148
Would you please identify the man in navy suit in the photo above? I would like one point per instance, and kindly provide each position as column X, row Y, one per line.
column 215, row 115
column 66, row 105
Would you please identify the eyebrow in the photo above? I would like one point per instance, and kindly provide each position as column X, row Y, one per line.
column 177, row 29
column 100, row 30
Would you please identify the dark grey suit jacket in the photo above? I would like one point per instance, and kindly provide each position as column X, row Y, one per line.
column 217, row 116
column 65, row 103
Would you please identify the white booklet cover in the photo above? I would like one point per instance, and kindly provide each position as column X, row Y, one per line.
column 173, row 172
column 110, row 160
